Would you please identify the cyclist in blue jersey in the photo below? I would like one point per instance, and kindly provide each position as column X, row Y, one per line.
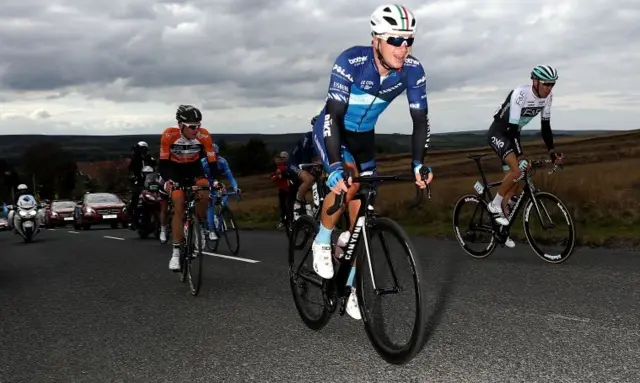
column 223, row 165
column 304, row 152
column 364, row 80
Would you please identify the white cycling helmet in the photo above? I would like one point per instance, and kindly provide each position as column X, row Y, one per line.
column 393, row 19
column 284, row 154
column 143, row 144
column 22, row 187
column 147, row 169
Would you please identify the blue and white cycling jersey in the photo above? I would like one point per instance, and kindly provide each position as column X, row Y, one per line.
column 223, row 165
column 357, row 85
column 355, row 81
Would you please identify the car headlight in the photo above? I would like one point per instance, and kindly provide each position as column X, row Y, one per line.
column 89, row 210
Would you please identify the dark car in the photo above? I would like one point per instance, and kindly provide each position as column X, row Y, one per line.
column 100, row 208
column 59, row 213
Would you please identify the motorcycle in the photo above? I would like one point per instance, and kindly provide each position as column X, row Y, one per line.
column 148, row 212
column 26, row 218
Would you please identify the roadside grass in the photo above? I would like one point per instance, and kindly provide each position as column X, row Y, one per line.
column 600, row 185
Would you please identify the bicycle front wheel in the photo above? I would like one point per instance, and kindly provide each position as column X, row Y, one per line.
column 378, row 278
column 542, row 205
column 195, row 256
column 229, row 229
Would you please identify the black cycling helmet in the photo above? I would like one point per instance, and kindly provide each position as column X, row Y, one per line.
column 313, row 120
column 188, row 113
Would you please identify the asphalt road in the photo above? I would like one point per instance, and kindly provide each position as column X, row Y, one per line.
column 102, row 306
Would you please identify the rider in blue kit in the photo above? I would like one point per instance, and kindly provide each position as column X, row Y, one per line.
column 304, row 152
column 364, row 80
column 223, row 165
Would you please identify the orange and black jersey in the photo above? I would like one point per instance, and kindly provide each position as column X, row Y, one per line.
column 180, row 157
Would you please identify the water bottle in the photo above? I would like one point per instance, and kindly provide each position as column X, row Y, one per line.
column 341, row 243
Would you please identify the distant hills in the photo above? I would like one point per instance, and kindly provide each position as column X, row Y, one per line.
column 97, row 148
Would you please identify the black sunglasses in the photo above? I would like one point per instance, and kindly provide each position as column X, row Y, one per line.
column 398, row 41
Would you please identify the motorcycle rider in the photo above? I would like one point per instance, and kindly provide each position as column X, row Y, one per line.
column 21, row 190
column 140, row 158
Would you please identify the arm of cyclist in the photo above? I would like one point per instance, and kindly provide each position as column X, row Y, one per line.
column 211, row 158
column 419, row 111
column 547, row 134
column 164, row 163
column 335, row 110
column 226, row 169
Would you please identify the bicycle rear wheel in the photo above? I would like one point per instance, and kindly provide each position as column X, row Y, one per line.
column 303, row 279
column 230, row 230
column 479, row 226
column 194, row 256
column 373, row 269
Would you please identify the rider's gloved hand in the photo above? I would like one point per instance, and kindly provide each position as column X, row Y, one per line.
column 335, row 181
column 418, row 171
column 557, row 158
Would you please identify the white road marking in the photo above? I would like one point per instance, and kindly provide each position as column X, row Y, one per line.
column 72, row 232
column 569, row 317
column 110, row 237
column 231, row 257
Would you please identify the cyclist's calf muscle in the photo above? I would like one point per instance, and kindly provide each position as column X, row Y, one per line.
column 514, row 172
column 330, row 221
column 306, row 181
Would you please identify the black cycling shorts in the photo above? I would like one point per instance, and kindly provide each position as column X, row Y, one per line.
column 356, row 147
column 186, row 174
column 503, row 141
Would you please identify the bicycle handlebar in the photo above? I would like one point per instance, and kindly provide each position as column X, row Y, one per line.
column 424, row 172
column 546, row 161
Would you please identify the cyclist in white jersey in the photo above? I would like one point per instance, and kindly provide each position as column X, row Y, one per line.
column 521, row 106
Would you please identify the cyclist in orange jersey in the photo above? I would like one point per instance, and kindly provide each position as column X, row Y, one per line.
column 181, row 149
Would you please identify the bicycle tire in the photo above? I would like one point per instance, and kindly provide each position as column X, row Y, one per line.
column 456, row 227
column 212, row 245
column 184, row 248
column 194, row 234
column 391, row 354
column 227, row 212
column 310, row 228
column 568, row 250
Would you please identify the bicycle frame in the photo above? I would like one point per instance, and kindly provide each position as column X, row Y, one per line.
column 528, row 192
column 344, row 276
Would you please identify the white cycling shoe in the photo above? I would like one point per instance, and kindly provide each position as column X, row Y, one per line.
column 174, row 263
column 498, row 214
column 352, row 306
column 322, row 262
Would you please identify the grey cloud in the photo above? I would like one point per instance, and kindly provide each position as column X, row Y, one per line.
column 272, row 52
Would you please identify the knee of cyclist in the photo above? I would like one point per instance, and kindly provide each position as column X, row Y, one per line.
column 517, row 173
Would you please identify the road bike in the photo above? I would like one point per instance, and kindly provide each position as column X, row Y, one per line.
column 222, row 215
column 191, row 247
column 530, row 197
column 336, row 290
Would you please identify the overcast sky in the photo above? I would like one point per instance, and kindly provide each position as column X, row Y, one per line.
column 123, row 66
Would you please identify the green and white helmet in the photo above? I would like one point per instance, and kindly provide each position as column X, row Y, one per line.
column 544, row 73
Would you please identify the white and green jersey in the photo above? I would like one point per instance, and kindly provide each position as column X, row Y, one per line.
column 522, row 105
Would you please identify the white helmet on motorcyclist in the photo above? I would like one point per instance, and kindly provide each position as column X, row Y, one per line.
column 22, row 187
column 147, row 169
